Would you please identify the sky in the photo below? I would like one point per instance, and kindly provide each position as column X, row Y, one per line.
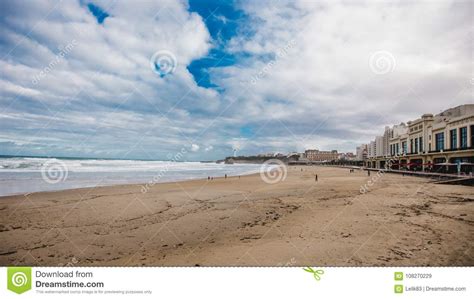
column 151, row 79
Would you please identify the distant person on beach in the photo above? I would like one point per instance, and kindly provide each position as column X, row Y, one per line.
column 225, row 176
column 316, row 178
column 208, row 178
column 368, row 172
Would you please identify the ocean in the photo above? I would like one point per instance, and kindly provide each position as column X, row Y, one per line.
column 20, row 175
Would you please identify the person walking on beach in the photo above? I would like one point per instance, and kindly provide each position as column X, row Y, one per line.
column 225, row 176
column 368, row 172
column 316, row 178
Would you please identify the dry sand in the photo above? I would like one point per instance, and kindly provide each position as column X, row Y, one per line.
column 401, row 221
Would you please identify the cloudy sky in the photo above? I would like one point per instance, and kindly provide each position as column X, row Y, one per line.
column 133, row 79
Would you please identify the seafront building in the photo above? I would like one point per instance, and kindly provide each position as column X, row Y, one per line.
column 346, row 157
column 361, row 152
column 321, row 156
column 438, row 143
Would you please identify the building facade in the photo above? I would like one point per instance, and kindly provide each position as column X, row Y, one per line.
column 346, row 156
column 438, row 143
column 317, row 155
column 361, row 152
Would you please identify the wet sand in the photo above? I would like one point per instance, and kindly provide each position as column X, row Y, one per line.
column 400, row 221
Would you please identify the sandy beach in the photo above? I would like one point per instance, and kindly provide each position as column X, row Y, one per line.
column 400, row 221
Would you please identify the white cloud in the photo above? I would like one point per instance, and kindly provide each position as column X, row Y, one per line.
column 103, row 92
column 326, row 74
column 104, row 97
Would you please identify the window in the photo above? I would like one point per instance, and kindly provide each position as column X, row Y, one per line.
column 421, row 144
column 398, row 149
column 463, row 136
column 453, row 139
column 404, row 147
column 439, row 139
column 416, row 145
column 472, row 136
column 411, row 146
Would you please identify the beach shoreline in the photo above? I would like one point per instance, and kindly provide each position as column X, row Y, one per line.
column 20, row 175
column 128, row 185
column 399, row 221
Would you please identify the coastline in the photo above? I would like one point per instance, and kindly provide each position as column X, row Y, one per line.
column 23, row 175
column 400, row 221
column 128, row 185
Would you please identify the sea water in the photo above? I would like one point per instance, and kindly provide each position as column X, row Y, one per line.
column 19, row 175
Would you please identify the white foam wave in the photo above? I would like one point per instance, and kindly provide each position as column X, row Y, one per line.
column 96, row 165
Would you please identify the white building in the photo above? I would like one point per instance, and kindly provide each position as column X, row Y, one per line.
column 439, row 143
column 361, row 152
column 379, row 146
column 371, row 148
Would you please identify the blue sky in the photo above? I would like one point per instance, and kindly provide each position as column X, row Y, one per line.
column 146, row 80
column 224, row 21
